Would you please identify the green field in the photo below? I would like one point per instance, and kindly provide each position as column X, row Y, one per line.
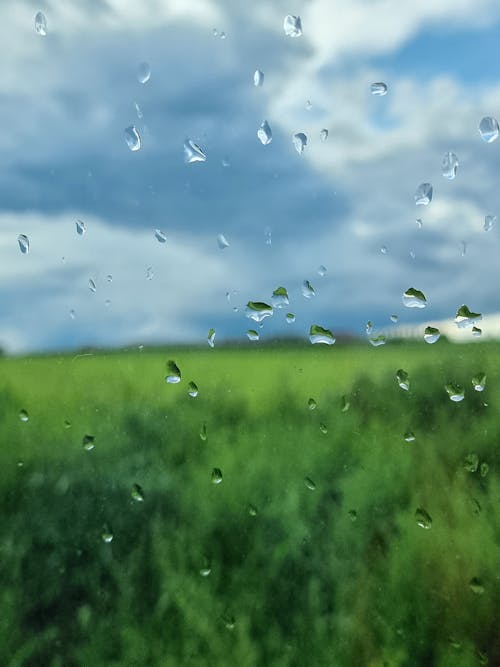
column 307, row 553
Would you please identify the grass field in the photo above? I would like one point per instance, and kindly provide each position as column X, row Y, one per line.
column 308, row 552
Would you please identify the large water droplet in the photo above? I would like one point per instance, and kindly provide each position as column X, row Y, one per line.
column 479, row 381
column 24, row 243
column 471, row 462
column 193, row 152
column 133, row 138
column 300, row 142
column 88, row 442
column 423, row 194
column 160, row 236
column 173, row 373
column 323, row 135
column 258, row 310
column 193, row 389
column 489, row 129
column 378, row 89
column 378, row 340
column 279, row 298
column 264, row 133
column 403, row 380
column 309, row 484
column 40, row 24
column 449, row 166
column 137, row 493
column 455, row 392
column 216, row 476
column 414, row 298
column 465, row 317
column 258, row 78
column 23, row 415
column 292, row 26
column 308, row 290
column 489, row 222
column 476, row 585
column 290, row 318
column 222, row 242
column 143, row 72
column 92, row 286
column 431, row 335
column 81, row 227
column 318, row 334
column 423, row 518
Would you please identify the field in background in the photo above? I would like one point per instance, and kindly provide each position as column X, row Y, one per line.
column 308, row 552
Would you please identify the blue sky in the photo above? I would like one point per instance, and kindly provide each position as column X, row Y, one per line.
column 67, row 98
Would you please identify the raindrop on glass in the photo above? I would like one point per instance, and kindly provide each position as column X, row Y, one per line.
column 252, row 510
column 216, row 476
column 345, row 404
column 138, row 111
column 409, row 436
column 264, row 133
column 378, row 340
column 203, row 432
column 92, row 286
column 23, row 415
column 211, row 337
column 476, row 585
column 137, row 493
column 173, row 373
column 414, row 298
column 489, row 222
column 455, row 392
column 81, row 227
column 308, row 290
column 143, row 72
column 471, row 462
column 353, row 515
column 107, row 534
column 431, row 335
column 423, row 194
column 420, row 223
column 449, row 166
column 323, row 429
column 268, row 235
column 311, row 404
column 300, row 142
column 40, row 24
column 479, row 381
column 24, row 244
column 476, row 332
column 292, row 26
column 309, row 484
column 466, row 318
column 378, row 89
column 423, row 518
column 193, row 152
column 403, row 379
column 252, row 335
column 309, row 105
column 489, row 129
column 149, row 273
column 279, row 298
column 132, row 138
column 88, row 443
column 192, row 389
column 72, row 314
column 206, row 568
column 383, row 249
column 484, row 469
column 160, row 236
column 258, row 310
column 394, row 319
column 290, row 318
column 322, row 271
column 318, row 334
column 369, row 327
column 222, row 242
column 323, row 135
column 258, row 78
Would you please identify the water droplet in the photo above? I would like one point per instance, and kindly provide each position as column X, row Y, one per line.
column 229, row 621
column 92, row 286
column 484, row 469
column 222, row 242
column 290, row 318
column 322, row 271
column 455, row 392
column 300, row 142
column 466, row 318
column 309, row 484
column 464, row 248
column 264, row 133
column 449, row 166
column 409, row 436
column 107, row 534
column 137, row 493
column 292, row 26
column 252, row 334
column 412, row 254
column 192, row 389
column 378, row 340
column 308, row 290
column 345, row 404
column 420, row 223
column 252, row 510
column 353, row 515
column 378, row 89
column 414, row 298
column 138, row 111
column 222, row 35
column 423, row 194
column 403, row 379
column 109, row 278
column 476, row 585
column 211, row 337
column 160, row 236
column 279, row 298
column 479, row 381
column 394, row 319
column 81, row 227
column 193, row 152
column 309, row 105
column 206, row 568
column 471, row 462
column 88, row 443
column 24, row 244
column 489, row 129
column 72, row 314
column 216, row 476
column 431, row 335
column 23, row 415
column 268, row 235
column 489, row 222
column 423, row 518
column 311, row 404
column 318, row 334
column 40, row 24
column 173, row 373
column 477, row 332
column 67, row 423
column 258, row 310
column 369, row 327
column 323, row 135
column 132, row 138
column 143, row 72
column 323, row 429
column 203, row 432
column 149, row 273
column 258, row 78
column 383, row 249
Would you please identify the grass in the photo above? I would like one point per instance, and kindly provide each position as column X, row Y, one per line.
column 338, row 575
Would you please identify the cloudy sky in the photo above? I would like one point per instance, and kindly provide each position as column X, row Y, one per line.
column 346, row 203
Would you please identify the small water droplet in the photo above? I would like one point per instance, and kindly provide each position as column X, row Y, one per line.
column 369, row 327
column 476, row 585
column 252, row 335
column 192, row 389
column 394, row 319
column 290, row 318
column 309, row 484
column 403, row 379
column 216, row 476
column 222, row 242
column 378, row 89
column 258, row 78
column 323, row 428
column 308, row 290
column 23, row 415
column 479, row 381
column 109, row 278
column 318, row 334
column 92, row 286
column 107, row 534
column 465, row 317
column 420, row 223
column 471, row 462
column 279, row 298
column 423, row 194
column 88, row 442
column 211, row 337
column 431, row 335
column 464, row 248
column 455, row 392
column 40, row 24
column 378, row 340
column 225, row 162
column 160, row 236
column 322, row 271
column 323, row 135
column 414, row 298
column 292, row 26
column 143, row 72
column 173, row 373
column 489, row 129
column 264, row 133
column 353, row 515
column 412, row 254
column 477, row 332
column 133, row 138
column 206, row 568
column 137, row 493
column 423, row 518
column 138, row 111
column 193, row 152
column 268, row 235
column 489, row 222
column 24, row 244
column 383, row 249
column 203, row 432
column 67, row 423
column 222, row 35
column 81, row 227
column 345, row 404
column 484, row 469
column 311, row 404
column 309, row 105
column 258, row 310
column 229, row 621
column 252, row 510
column 449, row 166
column 409, row 436
column 300, row 142
column 149, row 273
column 72, row 314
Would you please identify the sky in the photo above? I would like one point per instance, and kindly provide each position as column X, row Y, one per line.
column 346, row 203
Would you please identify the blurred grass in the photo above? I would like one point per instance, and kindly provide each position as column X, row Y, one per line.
column 339, row 575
